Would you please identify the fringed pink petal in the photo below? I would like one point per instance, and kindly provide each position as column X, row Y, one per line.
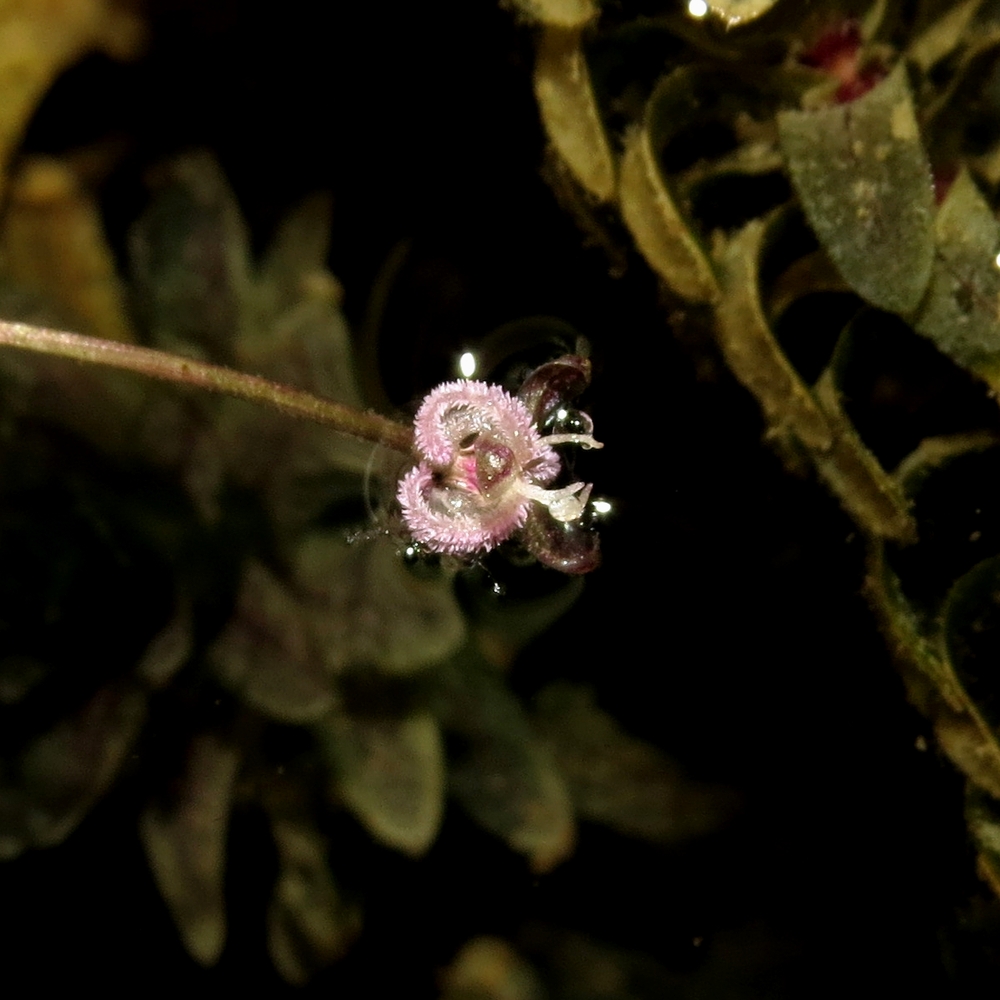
column 455, row 412
column 449, row 520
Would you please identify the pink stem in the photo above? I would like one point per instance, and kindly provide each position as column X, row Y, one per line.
column 186, row 371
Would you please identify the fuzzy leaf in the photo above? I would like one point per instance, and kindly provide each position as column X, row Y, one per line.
column 749, row 345
column 62, row 773
column 972, row 635
column 569, row 111
column 488, row 968
column 558, row 13
column 53, row 246
column 298, row 336
column 301, row 337
column 811, row 417
column 297, row 468
column 168, row 650
column 648, row 206
column 369, row 610
column 39, row 41
column 18, row 675
column 868, row 493
column 865, row 184
column 961, row 313
column 346, row 607
column 942, row 36
column 198, row 292
column 390, row 773
column 185, row 843
column 923, row 646
column 742, row 963
column 621, row 781
column 505, row 625
column 734, row 13
column 308, row 924
column 190, row 257
column 500, row 772
column 268, row 654
column 982, row 814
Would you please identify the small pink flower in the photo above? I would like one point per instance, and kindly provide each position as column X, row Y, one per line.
column 482, row 465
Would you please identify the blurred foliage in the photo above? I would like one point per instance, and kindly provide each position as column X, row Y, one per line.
column 216, row 602
column 564, row 965
column 816, row 186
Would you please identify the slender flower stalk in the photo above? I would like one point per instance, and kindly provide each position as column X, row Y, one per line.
column 215, row 378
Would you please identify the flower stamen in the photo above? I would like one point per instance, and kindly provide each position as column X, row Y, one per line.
column 584, row 440
column 566, row 504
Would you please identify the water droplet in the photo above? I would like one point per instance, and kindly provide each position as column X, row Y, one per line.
column 567, row 420
column 420, row 561
column 467, row 365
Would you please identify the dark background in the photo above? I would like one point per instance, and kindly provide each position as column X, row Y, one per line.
column 726, row 625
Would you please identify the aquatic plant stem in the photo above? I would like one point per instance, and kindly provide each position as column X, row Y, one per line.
column 187, row 371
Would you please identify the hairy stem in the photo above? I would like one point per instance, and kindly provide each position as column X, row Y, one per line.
column 186, row 371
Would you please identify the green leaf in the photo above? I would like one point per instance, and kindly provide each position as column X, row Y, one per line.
column 488, row 968
column 620, row 781
column 958, row 128
column 982, row 815
column 961, row 313
column 865, row 184
column 190, row 257
column 61, row 774
column 869, row 494
column 53, row 245
column 168, row 650
column 346, row 606
column 931, row 684
column 558, row 13
column 928, row 648
column 185, row 843
column 267, row 654
column 972, row 636
column 309, row 926
column 500, row 772
column 295, row 334
column 18, row 675
column 369, row 610
column 733, row 13
column 297, row 468
column 912, row 638
column 661, row 232
column 505, row 625
column 389, row 771
column 301, row 336
column 749, row 346
column 813, row 419
column 569, row 111
column 940, row 38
